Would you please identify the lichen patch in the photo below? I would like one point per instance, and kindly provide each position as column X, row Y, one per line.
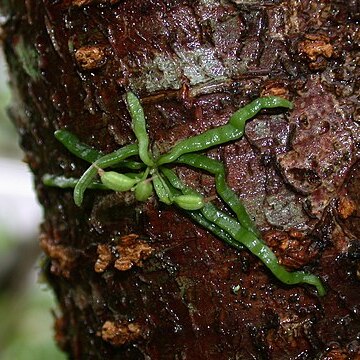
column 275, row 88
column 89, row 2
column 105, row 257
column 118, row 334
column 316, row 49
column 62, row 258
column 346, row 207
column 199, row 65
column 28, row 57
column 90, row 57
column 130, row 251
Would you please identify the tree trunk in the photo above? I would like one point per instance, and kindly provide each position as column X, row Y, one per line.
column 142, row 281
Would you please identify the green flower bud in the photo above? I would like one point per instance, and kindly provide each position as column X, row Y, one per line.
column 143, row 190
column 189, row 202
column 117, row 182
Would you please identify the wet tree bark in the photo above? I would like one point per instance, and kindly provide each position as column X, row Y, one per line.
column 139, row 281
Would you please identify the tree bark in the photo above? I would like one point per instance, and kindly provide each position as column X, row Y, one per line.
column 141, row 281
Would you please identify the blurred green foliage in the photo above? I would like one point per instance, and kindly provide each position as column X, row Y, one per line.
column 26, row 326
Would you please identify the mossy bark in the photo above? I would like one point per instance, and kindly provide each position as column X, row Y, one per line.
column 141, row 281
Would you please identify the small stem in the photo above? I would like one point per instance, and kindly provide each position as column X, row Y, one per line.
column 100, row 171
column 210, row 198
column 65, row 183
column 105, row 161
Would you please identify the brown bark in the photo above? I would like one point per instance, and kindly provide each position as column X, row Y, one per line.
column 142, row 281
